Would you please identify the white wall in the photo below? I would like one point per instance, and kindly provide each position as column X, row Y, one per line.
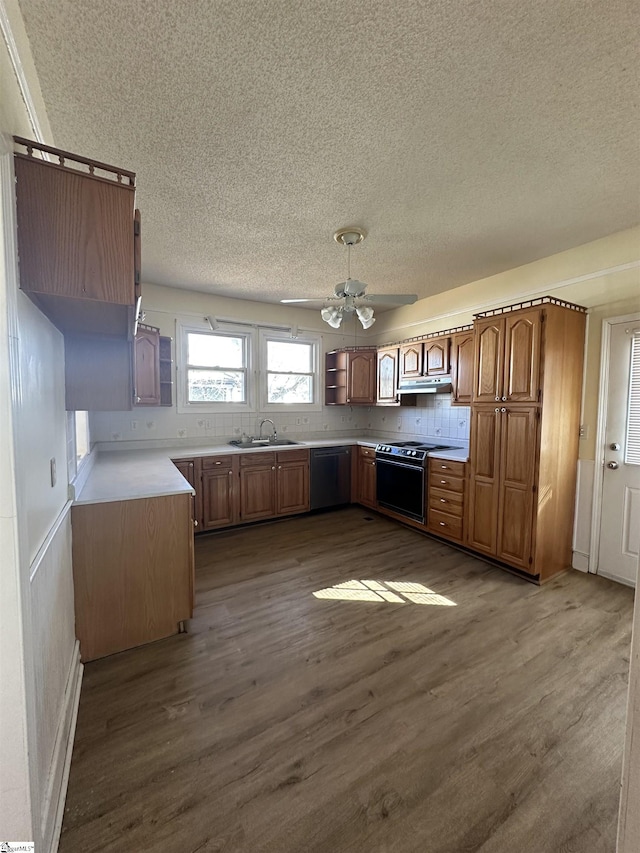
column 39, row 663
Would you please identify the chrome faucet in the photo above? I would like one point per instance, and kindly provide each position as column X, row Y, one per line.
column 274, row 437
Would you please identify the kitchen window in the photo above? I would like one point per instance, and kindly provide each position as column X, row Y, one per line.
column 290, row 371
column 215, row 369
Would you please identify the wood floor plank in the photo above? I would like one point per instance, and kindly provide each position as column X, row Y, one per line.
column 283, row 722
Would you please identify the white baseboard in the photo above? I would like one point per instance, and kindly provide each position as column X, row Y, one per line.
column 53, row 810
column 580, row 561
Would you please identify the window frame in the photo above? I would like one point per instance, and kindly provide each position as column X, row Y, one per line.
column 183, row 404
column 315, row 342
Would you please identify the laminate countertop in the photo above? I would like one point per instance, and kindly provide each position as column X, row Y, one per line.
column 121, row 475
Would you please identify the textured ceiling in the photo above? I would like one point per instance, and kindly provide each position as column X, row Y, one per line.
column 466, row 137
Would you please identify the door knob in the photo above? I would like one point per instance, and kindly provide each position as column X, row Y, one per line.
column 612, row 465
column 614, row 446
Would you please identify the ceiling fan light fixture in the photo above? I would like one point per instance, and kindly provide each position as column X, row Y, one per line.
column 365, row 315
column 332, row 316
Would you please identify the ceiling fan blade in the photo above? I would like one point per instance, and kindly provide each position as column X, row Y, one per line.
column 391, row 298
column 312, row 299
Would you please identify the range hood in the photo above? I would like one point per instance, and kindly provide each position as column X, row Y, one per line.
column 425, row 385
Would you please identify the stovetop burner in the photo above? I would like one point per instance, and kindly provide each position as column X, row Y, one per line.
column 420, row 445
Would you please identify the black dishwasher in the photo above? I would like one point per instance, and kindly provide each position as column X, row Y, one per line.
column 330, row 476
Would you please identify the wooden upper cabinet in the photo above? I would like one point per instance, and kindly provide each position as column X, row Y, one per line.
column 429, row 357
column 146, row 359
column 361, row 377
column 411, row 360
column 507, row 357
column 387, row 392
column 435, row 360
column 76, row 243
column 489, row 359
column 462, row 353
column 522, row 356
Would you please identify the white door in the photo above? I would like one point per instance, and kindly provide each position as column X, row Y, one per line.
column 620, row 455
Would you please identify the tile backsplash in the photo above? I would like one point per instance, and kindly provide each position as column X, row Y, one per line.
column 435, row 417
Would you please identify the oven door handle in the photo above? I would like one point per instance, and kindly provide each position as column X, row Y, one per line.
column 395, row 464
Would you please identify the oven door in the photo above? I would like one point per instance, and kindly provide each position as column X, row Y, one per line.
column 400, row 487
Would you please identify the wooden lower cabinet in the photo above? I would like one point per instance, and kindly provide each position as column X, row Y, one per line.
column 292, row 482
column 132, row 572
column 365, row 492
column 502, row 483
column 219, row 490
column 190, row 470
column 446, row 498
column 239, row 488
column 257, row 486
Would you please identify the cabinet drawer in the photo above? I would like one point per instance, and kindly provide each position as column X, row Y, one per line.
column 445, row 524
column 301, row 455
column 449, row 502
column 367, row 452
column 223, row 461
column 444, row 482
column 446, row 466
column 257, row 460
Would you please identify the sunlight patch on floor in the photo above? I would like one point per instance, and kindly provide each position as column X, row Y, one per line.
column 395, row 592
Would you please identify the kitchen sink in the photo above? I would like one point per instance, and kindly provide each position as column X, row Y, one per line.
column 262, row 442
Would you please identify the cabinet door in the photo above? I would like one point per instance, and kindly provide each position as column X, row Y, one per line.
column 522, row 357
column 219, row 503
column 190, row 470
column 257, row 493
column 462, row 368
column 292, row 488
column 75, row 233
column 387, row 375
column 488, row 361
column 361, row 377
column 436, row 357
column 517, row 479
column 484, row 454
column 146, row 359
column 411, row 360
column 367, row 482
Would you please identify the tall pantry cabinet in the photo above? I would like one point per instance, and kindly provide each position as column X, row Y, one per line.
column 525, row 421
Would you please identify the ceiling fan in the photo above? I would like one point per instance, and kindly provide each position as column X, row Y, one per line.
column 351, row 294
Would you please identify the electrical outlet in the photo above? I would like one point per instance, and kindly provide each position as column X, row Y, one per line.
column 52, row 469
column 134, row 425
column 584, row 431
column 207, row 423
column 298, row 421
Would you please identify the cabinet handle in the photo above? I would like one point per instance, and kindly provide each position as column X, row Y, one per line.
column 497, row 399
column 195, row 523
column 496, row 410
column 445, row 467
column 218, row 463
column 190, row 464
column 443, row 482
column 231, row 473
column 279, row 467
column 443, row 501
column 504, row 399
column 273, row 467
column 442, row 524
column 503, row 409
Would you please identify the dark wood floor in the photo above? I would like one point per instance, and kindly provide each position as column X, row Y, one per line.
column 287, row 723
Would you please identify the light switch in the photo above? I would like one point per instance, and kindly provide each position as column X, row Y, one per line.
column 54, row 476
